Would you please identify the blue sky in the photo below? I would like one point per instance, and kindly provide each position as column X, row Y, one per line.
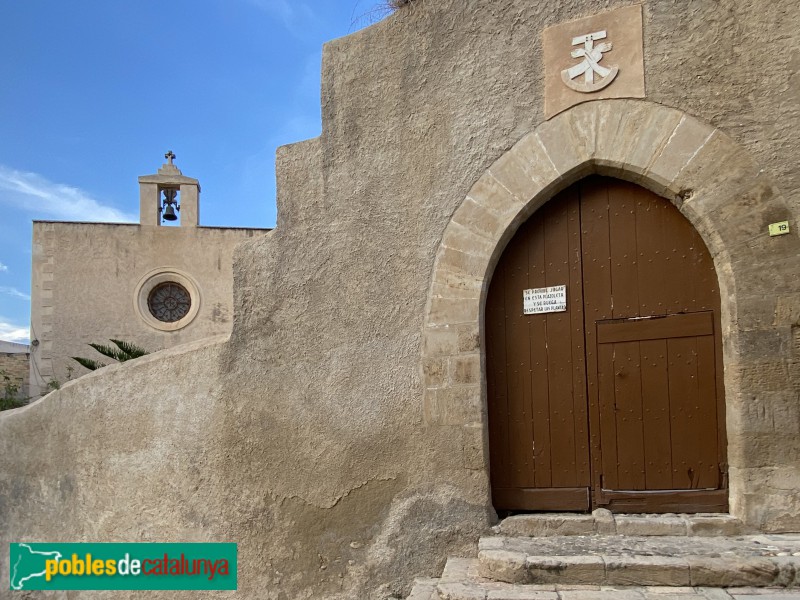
column 94, row 92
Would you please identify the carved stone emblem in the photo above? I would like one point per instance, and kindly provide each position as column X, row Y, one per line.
column 580, row 65
column 590, row 65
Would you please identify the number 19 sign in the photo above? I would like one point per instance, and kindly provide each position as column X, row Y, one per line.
column 544, row 300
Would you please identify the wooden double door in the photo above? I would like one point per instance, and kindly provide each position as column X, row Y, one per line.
column 618, row 401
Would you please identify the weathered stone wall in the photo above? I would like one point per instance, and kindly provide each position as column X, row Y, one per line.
column 303, row 437
column 84, row 288
column 15, row 365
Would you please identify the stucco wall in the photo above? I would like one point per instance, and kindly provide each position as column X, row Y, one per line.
column 84, row 288
column 303, row 437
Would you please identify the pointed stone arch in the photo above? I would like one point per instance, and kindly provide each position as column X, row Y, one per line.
column 713, row 181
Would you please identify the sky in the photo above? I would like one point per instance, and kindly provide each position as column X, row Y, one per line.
column 94, row 92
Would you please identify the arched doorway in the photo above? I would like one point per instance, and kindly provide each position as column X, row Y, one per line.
column 618, row 400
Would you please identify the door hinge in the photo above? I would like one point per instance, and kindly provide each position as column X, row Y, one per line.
column 723, row 475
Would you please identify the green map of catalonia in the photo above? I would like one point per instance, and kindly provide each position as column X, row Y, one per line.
column 28, row 564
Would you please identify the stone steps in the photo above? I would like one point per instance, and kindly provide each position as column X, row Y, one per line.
column 758, row 561
column 622, row 557
column 461, row 580
column 604, row 522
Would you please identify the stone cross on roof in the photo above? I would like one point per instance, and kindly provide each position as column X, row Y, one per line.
column 168, row 169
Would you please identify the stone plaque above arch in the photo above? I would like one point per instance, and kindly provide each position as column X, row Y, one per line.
column 598, row 57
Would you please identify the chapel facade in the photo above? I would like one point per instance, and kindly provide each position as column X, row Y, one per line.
column 158, row 283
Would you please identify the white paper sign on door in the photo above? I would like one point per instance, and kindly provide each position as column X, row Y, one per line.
column 544, row 300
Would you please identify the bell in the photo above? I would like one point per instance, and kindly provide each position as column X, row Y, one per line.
column 169, row 213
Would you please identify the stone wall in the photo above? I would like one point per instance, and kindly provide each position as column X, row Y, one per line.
column 16, row 366
column 308, row 436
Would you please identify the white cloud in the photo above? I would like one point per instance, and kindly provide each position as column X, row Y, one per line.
column 10, row 291
column 10, row 332
column 48, row 200
column 3, row 268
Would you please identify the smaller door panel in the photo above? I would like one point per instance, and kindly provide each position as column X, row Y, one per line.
column 658, row 403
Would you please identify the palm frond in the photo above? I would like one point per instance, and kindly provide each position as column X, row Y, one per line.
column 90, row 364
column 129, row 350
column 108, row 351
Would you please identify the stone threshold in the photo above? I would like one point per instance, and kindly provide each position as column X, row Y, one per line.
column 604, row 522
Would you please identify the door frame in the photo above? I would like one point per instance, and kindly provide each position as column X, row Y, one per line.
column 703, row 172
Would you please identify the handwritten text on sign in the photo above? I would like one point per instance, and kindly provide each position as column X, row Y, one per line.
column 544, row 300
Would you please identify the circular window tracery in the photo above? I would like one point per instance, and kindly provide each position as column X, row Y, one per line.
column 169, row 302
column 167, row 299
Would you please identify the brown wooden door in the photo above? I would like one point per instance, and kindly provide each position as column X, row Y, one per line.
column 538, row 409
column 618, row 401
